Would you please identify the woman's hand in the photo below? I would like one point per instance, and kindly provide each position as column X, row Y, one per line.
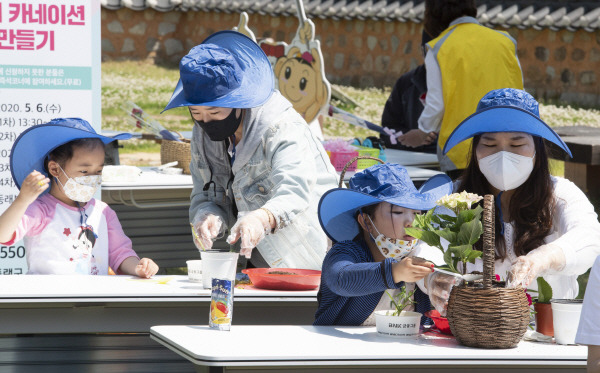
column 439, row 285
column 537, row 262
column 416, row 137
column 34, row 184
column 146, row 268
column 411, row 269
column 251, row 228
column 207, row 227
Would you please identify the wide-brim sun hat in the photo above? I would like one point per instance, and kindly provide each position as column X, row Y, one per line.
column 505, row 110
column 387, row 182
column 33, row 145
column 227, row 70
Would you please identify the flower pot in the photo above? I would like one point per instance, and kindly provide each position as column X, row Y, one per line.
column 406, row 325
column 565, row 316
column 543, row 318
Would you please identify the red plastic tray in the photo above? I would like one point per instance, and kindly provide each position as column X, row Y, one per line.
column 440, row 322
column 302, row 279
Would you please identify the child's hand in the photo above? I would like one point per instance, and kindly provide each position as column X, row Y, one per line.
column 146, row 268
column 411, row 269
column 34, row 184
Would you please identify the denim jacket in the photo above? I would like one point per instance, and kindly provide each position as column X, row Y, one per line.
column 279, row 165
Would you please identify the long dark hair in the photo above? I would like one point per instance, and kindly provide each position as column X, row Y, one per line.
column 440, row 13
column 533, row 210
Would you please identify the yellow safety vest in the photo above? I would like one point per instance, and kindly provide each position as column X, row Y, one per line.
column 473, row 60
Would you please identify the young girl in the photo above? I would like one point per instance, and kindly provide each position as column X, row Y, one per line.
column 65, row 230
column 371, row 252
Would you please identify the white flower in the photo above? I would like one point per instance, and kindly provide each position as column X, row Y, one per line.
column 459, row 201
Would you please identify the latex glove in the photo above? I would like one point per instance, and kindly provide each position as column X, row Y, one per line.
column 208, row 228
column 537, row 262
column 439, row 286
column 251, row 227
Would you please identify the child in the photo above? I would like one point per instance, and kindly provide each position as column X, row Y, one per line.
column 65, row 230
column 371, row 250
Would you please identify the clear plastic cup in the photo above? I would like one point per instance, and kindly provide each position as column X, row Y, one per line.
column 215, row 264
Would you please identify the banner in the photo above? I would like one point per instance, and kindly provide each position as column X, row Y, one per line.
column 49, row 68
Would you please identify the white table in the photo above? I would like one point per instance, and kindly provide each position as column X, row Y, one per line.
column 408, row 158
column 285, row 348
column 106, row 304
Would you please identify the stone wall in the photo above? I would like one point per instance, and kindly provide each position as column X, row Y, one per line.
column 561, row 65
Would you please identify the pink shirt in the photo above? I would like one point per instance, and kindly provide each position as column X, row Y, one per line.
column 57, row 243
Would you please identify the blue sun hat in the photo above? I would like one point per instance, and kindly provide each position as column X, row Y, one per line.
column 505, row 110
column 387, row 182
column 32, row 147
column 227, row 70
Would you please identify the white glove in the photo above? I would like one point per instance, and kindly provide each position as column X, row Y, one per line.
column 439, row 285
column 251, row 227
column 208, row 227
column 537, row 262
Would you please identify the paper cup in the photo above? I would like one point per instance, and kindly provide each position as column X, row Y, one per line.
column 406, row 325
column 219, row 265
column 194, row 270
column 565, row 317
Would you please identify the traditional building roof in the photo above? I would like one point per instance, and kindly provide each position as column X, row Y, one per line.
column 539, row 14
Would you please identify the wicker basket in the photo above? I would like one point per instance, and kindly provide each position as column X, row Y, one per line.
column 490, row 316
column 348, row 166
column 180, row 151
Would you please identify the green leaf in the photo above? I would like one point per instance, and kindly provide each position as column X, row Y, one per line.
column 448, row 218
column 415, row 232
column 544, row 290
column 474, row 254
column 447, row 234
column 470, row 232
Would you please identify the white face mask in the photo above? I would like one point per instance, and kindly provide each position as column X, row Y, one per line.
column 506, row 170
column 392, row 247
column 82, row 188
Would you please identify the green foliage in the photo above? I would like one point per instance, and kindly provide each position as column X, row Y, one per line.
column 544, row 290
column 401, row 300
column 461, row 231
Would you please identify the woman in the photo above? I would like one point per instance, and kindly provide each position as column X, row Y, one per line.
column 372, row 252
column 464, row 61
column 545, row 225
column 257, row 168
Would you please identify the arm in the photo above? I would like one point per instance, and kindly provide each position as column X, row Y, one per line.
column 346, row 275
column 431, row 117
column 578, row 227
column 293, row 173
column 133, row 266
column 33, row 185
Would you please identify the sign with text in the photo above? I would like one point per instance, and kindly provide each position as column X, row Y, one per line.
column 49, row 68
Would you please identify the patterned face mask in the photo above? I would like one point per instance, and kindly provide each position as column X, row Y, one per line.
column 82, row 188
column 392, row 247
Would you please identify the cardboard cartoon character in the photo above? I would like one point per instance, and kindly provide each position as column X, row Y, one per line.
column 299, row 78
column 298, row 67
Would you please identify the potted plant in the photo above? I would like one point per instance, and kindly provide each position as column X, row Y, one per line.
column 454, row 234
column 397, row 322
column 484, row 313
column 543, row 308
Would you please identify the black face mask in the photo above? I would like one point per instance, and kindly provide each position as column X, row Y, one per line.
column 219, row 130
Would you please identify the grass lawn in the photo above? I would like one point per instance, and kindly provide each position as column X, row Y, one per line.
column 151, row 86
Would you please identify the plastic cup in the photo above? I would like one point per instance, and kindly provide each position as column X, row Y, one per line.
column 219, row 265
column 565, row 317
column 194, row 270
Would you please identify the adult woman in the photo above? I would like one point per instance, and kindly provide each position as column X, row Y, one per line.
column 252, row 153
column 545, row 225
column 464, row 61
